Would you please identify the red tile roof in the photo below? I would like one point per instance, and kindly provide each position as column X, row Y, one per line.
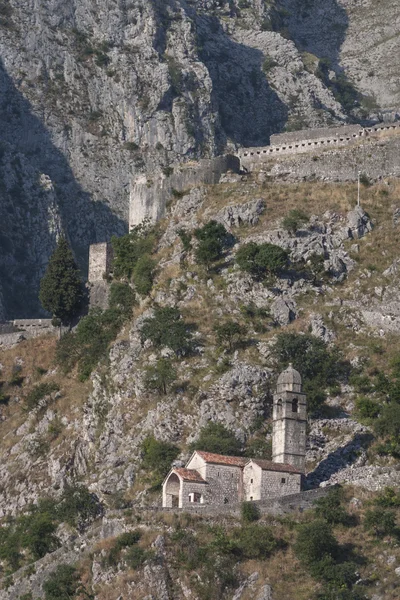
column 268, row 465
column 189, row 475
column 219, row 459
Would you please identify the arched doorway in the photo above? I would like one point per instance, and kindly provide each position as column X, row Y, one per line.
column 171, row 491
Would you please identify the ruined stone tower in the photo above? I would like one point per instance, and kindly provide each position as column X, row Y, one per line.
column 289, row 420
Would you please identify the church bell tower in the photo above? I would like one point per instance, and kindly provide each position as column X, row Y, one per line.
column 289, row 420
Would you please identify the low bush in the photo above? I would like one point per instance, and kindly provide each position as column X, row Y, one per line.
column 249, row 512
column 166, row 328
column 330, row 508
column 78, row 507
column 380, row 522
column 125, row 540
column 89, row 343
column 367, row 408
column 261, row 259
column 388, row 498
column 63, row 584
column 294, row 220
column 39, row 392
column 159, row 377
column 215, row 437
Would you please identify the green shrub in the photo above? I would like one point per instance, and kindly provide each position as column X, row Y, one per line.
column 136, row 556
column 249, row 512
column 78, row 506
column 125, row 540
column 229, row 334
column 186, row 239
column 167, row 328
column 122, row 298
column 315, row 541
column 16, row 376
column 259, row 448
column 367, row 408
column 294, row 220
column 215, row 437
column 89, row 343
column 62, row 584
column 261, row 259
column 268, row 64
column 388, row 498
column 213, row 239
column 158, row 377
column 330, row 508
column 157, row 457
column 129, row 248
column 39, row 392
column 388, row 423
column 319, row 367
column 380, row 522
column 143, row 274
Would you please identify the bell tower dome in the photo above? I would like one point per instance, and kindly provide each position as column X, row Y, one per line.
column 289, row 420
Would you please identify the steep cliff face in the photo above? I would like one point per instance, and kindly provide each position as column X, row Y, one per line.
column 94, row 94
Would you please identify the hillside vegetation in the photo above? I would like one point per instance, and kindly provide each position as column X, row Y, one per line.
column 243, row 278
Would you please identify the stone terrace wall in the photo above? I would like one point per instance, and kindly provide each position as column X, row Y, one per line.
column 313, row 140
column 13, row 332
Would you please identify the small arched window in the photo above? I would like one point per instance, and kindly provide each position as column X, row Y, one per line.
column 295, row 405
column 279, row 406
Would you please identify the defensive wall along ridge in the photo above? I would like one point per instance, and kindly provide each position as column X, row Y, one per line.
column 305, row 141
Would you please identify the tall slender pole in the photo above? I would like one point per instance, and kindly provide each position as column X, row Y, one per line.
column 358, row 194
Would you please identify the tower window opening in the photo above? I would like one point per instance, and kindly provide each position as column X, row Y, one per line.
column 283, row 480
column 279, row 406
column 295, row 405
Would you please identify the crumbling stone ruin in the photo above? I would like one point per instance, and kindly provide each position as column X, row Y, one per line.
column 215, row 480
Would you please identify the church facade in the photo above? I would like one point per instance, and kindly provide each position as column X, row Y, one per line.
column 214, row 479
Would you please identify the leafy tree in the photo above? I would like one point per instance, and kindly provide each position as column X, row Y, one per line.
column 143, row 274
column 157, row 457
column 213, row 239
column 167, row 328
column 261, row 259
column 229, row 333
column 318, row 366
column 294, row 220
column 215, row 437
column 38, row 534
column 61, row 289
column 78, row 507
column 62, row 584
column 129, row 248
column 380, row 522
column 159, row 376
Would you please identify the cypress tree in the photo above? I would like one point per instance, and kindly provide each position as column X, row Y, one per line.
column 61, row 289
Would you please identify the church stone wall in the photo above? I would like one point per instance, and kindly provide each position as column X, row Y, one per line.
column 225, row 484
column 276, row 483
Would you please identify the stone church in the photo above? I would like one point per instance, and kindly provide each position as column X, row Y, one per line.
column 214, row 479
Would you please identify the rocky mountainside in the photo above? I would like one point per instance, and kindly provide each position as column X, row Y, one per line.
column 95, row 94
column 340, row 289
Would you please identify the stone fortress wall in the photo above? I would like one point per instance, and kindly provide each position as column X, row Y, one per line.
column 13, row 332
column 299, row 142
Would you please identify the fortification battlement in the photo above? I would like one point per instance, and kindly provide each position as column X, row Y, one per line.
column 100, row 261
column 308, row 140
